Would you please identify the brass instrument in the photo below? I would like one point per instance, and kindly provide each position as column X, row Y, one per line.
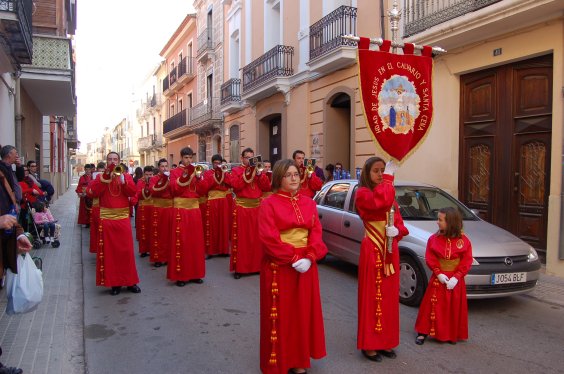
column 257, row 163
column 199, row 170
column 226, row 168
column 118, row 170
column 260, row 166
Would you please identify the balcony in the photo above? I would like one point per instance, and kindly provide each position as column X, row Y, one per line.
column 71, row 138
column 16, row 32
column 49, row 79
column 231, row 96
column 145, row 143
column 455, row 23
column 205, row 44
column 154, row 105
column 181, row 75
column 176, row 122
column 206, row 115
column 268, row 74
column 166, row 85
column 327, row 50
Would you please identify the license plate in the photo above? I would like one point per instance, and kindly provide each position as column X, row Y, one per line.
column 505, row 278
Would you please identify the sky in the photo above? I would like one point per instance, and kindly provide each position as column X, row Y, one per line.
column 117, row 45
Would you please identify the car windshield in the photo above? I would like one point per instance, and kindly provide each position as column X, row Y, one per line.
column 423, row 203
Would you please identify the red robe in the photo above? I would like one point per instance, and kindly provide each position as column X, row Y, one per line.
column 187, row 253
column 143, row 217
column 309, row 186
column 217, row 223
column 94, row 219
column 378, row 332
column 161, row 220
column 453, row 258
column 245, row 248
column 115, row 262
column 83, row 214
column 291, row 320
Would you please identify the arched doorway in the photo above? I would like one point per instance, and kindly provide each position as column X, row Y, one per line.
column 270, row 138
column 234, row 143
column 216, row 145
column 337, row 131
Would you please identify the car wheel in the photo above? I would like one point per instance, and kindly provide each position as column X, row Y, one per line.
column 413, row 281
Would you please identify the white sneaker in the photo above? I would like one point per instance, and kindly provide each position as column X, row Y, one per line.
column 47, row 239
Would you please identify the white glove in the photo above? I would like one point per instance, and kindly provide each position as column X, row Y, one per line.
column 303, row 265
column 122, row 179
column 167, row 173
column 391, row 168
column 452, row 282
column 442, row 278
column 391, row 231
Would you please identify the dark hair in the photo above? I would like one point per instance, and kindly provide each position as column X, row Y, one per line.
column 338, row 163
column 161, row 161
column 31, row 162
column 264, row 161
column 330, row 168
column 88, row 166
column 296, row 152
column 247, row 150
column 174, row 166
column 101, row 165
column 279, row 171
column 223, row 160
column 38, row 206
column 138, row 172
column 5, row 150
column 186, row 151
column 216, row 157
column 148, row 168
column 115, row 153
column 365, row 180
column 453, row 220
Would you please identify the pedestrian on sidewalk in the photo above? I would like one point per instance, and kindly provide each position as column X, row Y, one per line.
column 115, row 261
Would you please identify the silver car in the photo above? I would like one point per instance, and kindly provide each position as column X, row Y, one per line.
column 503, row 264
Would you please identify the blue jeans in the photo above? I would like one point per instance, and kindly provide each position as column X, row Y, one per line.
column 49, row 229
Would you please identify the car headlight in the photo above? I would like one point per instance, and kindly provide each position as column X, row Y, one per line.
column 474, row 262
column 533, row 255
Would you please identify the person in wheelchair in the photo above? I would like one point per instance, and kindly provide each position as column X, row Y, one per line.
column 43, row 218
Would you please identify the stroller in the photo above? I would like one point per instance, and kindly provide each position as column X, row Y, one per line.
column 39, row 234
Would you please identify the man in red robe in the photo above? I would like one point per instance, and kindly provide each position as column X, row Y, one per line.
column 95, row 210
column 83, row 214
column 218, row 216
column 115, row 262
column 248, row 185
column 187, row 256
column 144, row 212
column 161, row 221
column 310, row 182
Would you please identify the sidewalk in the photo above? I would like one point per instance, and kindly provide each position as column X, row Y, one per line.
column 51, row 339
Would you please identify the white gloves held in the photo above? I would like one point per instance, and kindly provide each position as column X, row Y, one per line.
column 122, row 179
column 302, row 265
column 442, row 278
column 391, row 231
column 452, row 282
column 391, row 168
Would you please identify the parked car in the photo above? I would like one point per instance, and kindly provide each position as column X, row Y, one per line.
column 503, row 264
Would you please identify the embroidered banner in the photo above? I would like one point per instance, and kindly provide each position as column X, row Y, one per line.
column 397, row 96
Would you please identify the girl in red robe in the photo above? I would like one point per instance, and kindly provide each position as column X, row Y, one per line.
column 443, row 313
column 83, row 214
column 291, row 320
column 378, row 268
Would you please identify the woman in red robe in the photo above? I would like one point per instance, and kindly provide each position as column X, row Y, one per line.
column 291, row 320
column 443, row 313
column 378, row 268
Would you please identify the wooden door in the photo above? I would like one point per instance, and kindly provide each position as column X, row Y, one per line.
column 505, row 136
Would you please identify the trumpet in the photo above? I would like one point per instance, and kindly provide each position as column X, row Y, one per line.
column 199, row 170
column 260, row 166
column 118, row 170
column 225, row 168
column 310, row 169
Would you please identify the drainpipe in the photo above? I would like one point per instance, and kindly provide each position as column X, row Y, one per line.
column 561, row 242
column 382, row 21
column 18, row 112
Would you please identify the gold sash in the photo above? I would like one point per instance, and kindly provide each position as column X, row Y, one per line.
column 186, row 203
column 449, row 265
column 162, row 203
column 375, row 231
column 114, row 213
column 95, row 202
column 247, row 203
column 296, row 237
column 146, row 202
column 217, row 194
column 202, row 200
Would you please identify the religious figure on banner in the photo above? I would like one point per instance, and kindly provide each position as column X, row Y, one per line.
column 398, row 105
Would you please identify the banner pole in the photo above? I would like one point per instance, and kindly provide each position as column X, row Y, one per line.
column 395, row 15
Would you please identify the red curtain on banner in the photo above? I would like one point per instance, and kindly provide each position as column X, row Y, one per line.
column 397, row 96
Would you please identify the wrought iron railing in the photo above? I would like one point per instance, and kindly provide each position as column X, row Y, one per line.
column 205, row 111
column 23, row 9
column 275, row 63
column 155, row 100
column 231, row 91
column 172, row 76
column 205, row 40
column 175, row 122
column 166, row 85
column 325, row 34
column 420, row 15
column 186, row 66
column 157, row 140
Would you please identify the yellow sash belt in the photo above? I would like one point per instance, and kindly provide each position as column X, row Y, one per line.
column 375, row 231
column 146, row 202
column 217, row 194
column 296, row 237
column 162, row 203
column 247, row 203
column 449, row 265
column 114, row 213
column 186, row 203
column 95, row 202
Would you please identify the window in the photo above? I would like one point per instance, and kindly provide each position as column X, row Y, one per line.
column 337, row 196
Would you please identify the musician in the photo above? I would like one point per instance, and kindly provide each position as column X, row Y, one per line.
column 378, row 268
column 290, row 311
column 217, row 223
column 248, row 185
column 94, row 210
column 115, row 262
column 310, row 182
column 268, row 171
column 83, row 214
column 187, row 257
column 160, row 191
column 143, row 215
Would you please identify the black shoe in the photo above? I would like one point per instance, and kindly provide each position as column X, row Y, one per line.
column 237, row 275
column 87, row 226
column 144, row 254
column 420, row 339
column 10, row 370
column 208, row 257
column 115, row 291
column 452, row 342
column 158, row 264
column 199, row 281
column 135, row 289
column 180, row 283
column 292, row 371
column 376, row 357
column 389, row 354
